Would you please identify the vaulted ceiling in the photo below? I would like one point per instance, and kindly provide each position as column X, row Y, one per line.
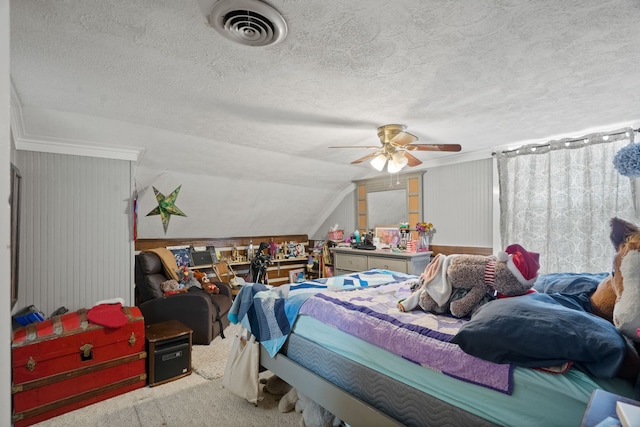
column 154, row 75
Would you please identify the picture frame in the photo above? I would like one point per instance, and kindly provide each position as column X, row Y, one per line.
column 15, row 183
column 388, row 236
column 295, row 274
column 182, row 255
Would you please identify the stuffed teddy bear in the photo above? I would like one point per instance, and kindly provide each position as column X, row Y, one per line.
column 205, row 283
column 462, row 283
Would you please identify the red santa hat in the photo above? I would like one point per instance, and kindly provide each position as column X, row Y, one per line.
column 521, row 263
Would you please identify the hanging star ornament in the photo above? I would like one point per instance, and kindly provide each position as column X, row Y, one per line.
column 166, row 207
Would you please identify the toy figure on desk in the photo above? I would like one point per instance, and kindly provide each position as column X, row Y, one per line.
column 273, row 248
column 292, row 250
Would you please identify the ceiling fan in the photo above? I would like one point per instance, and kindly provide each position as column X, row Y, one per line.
column 396, row 144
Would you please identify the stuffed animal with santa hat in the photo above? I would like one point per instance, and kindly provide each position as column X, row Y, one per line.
column 460, row 284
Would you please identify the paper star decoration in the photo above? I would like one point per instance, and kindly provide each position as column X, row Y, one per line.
column 166, row 207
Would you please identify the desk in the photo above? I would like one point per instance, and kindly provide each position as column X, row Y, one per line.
column 348, row 260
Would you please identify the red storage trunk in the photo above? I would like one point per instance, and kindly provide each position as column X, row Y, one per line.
column 65, row 363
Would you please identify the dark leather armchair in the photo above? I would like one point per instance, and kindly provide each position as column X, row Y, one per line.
column 205, row 314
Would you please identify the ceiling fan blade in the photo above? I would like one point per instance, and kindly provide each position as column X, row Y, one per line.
column 413, row 161
column 367, row 157
column 403, row 138
column 355, row 146
column 434, row 147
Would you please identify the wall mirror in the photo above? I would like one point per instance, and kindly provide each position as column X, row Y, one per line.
column 15, row 232
column 387, row 207
column 389, row 200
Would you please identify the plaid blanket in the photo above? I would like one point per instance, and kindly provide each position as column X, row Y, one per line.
column 269, row 312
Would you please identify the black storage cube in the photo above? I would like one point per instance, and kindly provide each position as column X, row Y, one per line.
column 169, row 351
column 171, row 359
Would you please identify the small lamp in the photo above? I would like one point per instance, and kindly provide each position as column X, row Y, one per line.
column 397, row 162
column 379, row 161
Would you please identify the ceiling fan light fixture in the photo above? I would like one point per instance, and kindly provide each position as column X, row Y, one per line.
column 396, row 147
column 400, row 159
column 379, row 161
column 397, row 162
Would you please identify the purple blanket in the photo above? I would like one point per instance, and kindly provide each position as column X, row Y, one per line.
column 371, row 314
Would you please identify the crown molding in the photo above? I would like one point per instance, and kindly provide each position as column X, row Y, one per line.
column 489, row 153
column 48, row 144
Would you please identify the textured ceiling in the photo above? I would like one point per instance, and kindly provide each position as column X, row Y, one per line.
column 483, row 74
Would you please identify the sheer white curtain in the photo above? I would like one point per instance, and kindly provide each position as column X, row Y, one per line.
column 557, row 199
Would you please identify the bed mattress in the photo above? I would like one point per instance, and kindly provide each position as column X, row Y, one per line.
column 416, row 395
column 396, row 399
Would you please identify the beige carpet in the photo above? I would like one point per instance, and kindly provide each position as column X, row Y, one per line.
column 196, row 400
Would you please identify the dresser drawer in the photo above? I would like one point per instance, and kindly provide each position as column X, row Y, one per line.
column 388, row 264
column 351, row 262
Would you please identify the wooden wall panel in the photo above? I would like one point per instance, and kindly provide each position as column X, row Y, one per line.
column 468, row 250
column 221, row 244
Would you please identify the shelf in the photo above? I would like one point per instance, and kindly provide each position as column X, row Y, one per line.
column 196, row 267
column 300, row 258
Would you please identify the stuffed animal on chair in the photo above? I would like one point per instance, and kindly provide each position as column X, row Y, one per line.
column 205, row 283
column 171, row 286
column 462, row 283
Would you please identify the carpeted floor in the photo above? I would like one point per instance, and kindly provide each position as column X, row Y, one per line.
column 196, row 400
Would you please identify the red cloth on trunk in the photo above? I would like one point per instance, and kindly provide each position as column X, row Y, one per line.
column 107, row 315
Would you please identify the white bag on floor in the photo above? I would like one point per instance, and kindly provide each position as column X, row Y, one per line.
column 241, row 371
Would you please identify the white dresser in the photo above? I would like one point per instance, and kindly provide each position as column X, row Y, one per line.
column 348, row 260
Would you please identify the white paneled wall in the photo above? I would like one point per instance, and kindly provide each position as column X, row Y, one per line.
column 458, row 200
column 75, row 243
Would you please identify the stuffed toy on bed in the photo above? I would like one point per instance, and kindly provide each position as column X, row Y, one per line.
column 461, row 283
column 617, row 297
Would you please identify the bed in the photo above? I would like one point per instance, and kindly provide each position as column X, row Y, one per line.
column 334, row 341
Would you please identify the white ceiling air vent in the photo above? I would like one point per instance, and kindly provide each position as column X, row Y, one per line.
column 248, row 22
